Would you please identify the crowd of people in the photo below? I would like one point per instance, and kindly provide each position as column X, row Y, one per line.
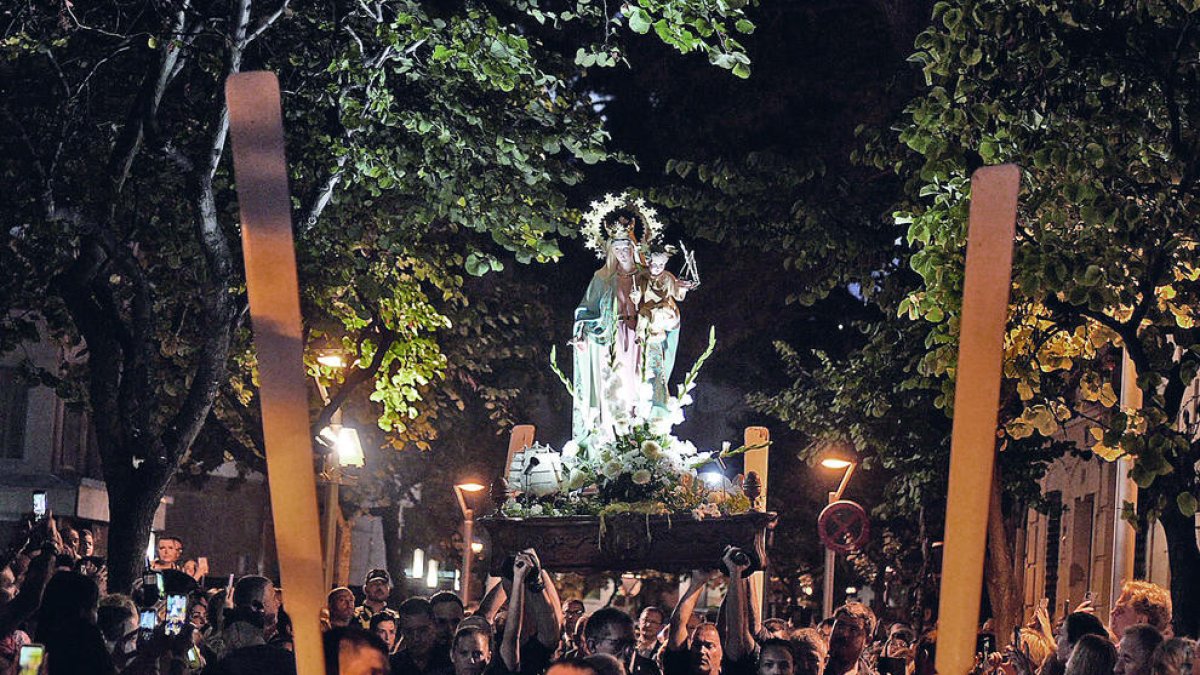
column 54, row 605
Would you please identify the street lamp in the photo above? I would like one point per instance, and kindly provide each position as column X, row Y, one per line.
column 468, row 534
column 835, row 462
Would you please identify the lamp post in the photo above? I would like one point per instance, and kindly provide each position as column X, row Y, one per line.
column 835, row 464
column 345, row 450
column 468, row 534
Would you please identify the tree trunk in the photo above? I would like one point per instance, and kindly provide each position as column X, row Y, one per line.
column 390, row 517
column 130, row 515
column 1003, row 585
column 1184, row 558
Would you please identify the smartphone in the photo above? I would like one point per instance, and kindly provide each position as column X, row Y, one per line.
column 151, row 588
column 193, row 658
column 890, row 665
column 147, row 622
column 39, row 504
column 1089, row 597
column 176, row 614
column 30, row 659
column 985, row 643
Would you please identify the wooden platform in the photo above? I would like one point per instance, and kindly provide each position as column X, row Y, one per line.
column 629, row 542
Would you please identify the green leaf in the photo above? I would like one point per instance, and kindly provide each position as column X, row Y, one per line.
column 639, row 21
column 744, row 26
column 741, row 70
column 1186, row 501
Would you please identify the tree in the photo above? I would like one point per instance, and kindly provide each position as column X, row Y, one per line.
column 409, row 120
column 1097, row 102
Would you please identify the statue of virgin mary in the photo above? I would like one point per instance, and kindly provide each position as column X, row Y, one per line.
column 607, row 353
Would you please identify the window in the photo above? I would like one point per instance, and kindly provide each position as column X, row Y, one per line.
column 14, row 401
column 1053, row 532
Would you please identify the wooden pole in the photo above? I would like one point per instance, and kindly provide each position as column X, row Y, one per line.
column 256, row 127
column 756, row 460
column 976, row 409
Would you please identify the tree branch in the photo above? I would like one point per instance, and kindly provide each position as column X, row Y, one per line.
column 266, row 23
column 385, row 339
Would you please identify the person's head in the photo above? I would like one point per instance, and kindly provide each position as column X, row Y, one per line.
column 1174, row 657
column 853, row 625
column 471, row 650
column 1075, row 627
column 116, row 617
column 776, row 627
column 377, row 585
column 572, row 666
column 383, row 625
column 353, row 651
column 825, row 628
column 70, row 537
column 1092, row 655
column 340, row 602
column 605, row 664
column 775, row 657
column 8, row 584
column 257, row 594
column 609, row 631
column 808, row 651
column 649, row 625
column 416, row 626
column 448, row 611
column 197, row 613
column 87, row 542
column 572, row 612
column 1138, row 643
column 170, row 549
column 705, row 650
column 1141, row 602
column 69, row 597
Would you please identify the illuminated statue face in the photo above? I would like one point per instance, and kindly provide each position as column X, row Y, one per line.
column 658, row 263
column 623, row 250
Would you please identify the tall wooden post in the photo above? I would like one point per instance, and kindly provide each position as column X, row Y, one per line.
column 256, row 126
column 756, row 460
column 976, row 409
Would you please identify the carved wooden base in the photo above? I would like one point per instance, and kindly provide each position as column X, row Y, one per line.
column 628, row 542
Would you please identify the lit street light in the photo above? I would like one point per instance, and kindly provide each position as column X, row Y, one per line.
column 468, row 534
column 840, row 461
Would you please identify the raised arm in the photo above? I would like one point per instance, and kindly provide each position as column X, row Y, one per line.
column 492, row 601
column 738, row 640
column 677, row 632
column 510, row 646
column 546, row 608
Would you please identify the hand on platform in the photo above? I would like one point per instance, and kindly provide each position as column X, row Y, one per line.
column 736, row 562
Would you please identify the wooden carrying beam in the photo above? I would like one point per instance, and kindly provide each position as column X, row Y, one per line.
column 976, row 408
column 256, row 127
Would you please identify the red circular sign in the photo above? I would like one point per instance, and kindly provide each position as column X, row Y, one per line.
column 843, row 526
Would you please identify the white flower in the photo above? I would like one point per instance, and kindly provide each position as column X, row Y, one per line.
column 685, row 400
column 577, row 480
column 621, row 426
column 651, row 449
column 611, row 470
column 661, row 425
column 676, row 416
column 536, row 510
column 570, row 449
column 641, row 477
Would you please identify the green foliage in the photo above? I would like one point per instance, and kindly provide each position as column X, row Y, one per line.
column 1097, row 103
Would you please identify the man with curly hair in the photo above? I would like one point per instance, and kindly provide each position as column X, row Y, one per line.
column 1141, row 602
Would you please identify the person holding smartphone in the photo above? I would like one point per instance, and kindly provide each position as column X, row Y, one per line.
column 67, row 627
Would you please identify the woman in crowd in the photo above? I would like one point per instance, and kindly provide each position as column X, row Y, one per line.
column 1093, row 655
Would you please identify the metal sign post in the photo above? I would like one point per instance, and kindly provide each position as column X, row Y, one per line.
column 256, row 127
column 976, row 409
